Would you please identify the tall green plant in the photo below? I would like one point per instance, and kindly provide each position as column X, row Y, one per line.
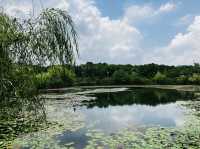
column 49, row 39
column 55, row 77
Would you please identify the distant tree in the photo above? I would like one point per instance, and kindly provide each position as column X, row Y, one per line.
column 135, row 78
column 120, row 77
column 159, row 78
column 55, row 77
column 182, row 79
column 101, row 73
column 195, row 78
column 197, row 67
column 148, row 70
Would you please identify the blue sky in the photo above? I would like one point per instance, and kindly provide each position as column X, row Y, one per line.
column 128, row 31
column 167, row 24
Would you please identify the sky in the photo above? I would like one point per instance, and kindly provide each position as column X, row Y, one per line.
column 127, row 31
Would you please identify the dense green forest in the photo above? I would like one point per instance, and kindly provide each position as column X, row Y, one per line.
column 110, row 74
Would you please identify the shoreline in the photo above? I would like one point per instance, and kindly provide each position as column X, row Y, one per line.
column 192, row 88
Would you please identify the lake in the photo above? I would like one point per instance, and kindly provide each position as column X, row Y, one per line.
column 107, row 111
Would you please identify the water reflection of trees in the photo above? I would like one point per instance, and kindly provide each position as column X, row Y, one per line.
column 151, row 97
column 18, row 116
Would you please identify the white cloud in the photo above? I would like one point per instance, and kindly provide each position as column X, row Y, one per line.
column 103, row 39
column 135, row 13
column 167, row 7
column 185, row 20
column 20, row 9
column 183, row 48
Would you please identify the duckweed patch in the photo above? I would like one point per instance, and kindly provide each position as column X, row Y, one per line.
column 20, row 116
column 62, row 120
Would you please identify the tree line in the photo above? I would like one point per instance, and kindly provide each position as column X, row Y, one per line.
column 111, row 74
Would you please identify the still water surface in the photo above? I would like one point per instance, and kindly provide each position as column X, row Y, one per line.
column 113, row 109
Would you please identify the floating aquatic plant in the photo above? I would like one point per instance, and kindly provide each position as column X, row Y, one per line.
column 184, row 136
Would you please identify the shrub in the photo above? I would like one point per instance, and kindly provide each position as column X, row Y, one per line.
column 160, row 78
column 195, row 78
column 182, row 79
column 55, row 77
column 121, row 77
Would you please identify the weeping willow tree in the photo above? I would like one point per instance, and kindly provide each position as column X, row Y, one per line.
column 46, row 40
column 49, row 39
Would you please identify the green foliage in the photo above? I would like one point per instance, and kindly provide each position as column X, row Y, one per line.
column 102, row 74
column 195, row 78
column 135, row 78
column 8, row 36
column 51, row 38
column 159, row 78
column 182, row 79
column 48, row 39
column 121, row 77
column 55, row 77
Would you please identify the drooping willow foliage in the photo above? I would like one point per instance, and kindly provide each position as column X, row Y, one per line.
column 8, row 37
column 54, row 38
column 48, row 39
